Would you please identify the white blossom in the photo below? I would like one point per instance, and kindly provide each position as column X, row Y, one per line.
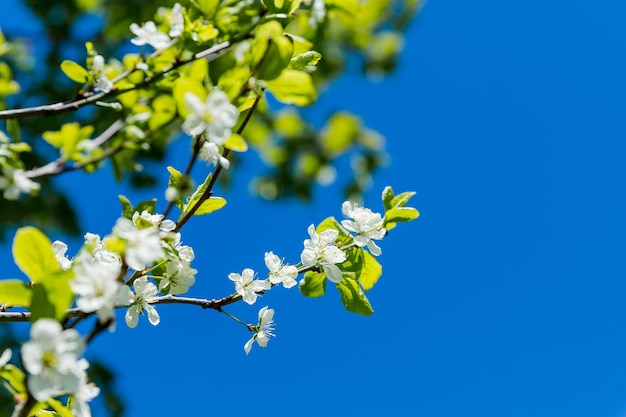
column 320, row 250
column 367, row 225
column 15, row 182
column 166, row 225
column 5, row 357
column 318, row 12
column 143, row 245
column 279, row 272
column 210, row 153
column 85, row 392
column 215, row 117
column 59, row 248
column 51, row 359
column 247, row 286
column 97, row 286
column 263, row 330
column 145, row 292
column 102, row 81
column 177, row 21
column 149, row 34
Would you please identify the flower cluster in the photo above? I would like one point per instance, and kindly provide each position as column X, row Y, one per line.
column 367, row 225
column 15, row 182
column 96, row 279
column 213, row 117
column 149, row 33
column 320, row 251
column 51, row 357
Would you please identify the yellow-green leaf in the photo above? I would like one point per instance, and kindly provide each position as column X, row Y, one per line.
column 353, row 297
column 371, row 271
column 15, row 292
column 185, row 85
column 293, row 87
column 52, row 296
column 210, row 205
column 236, row 143
column 313, row 285
column 33, row 254
column 74, row 71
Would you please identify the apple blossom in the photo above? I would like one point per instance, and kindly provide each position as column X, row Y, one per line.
column 320, row 250
column 15, row 182
column 145, row 292
column 279, row 272
column 85, row 392
column 263, row 330
column 247, row 286
column 212, row 155
column 149, row 34
column 59, row 248
column 51, row 359
column 143, row 245
column 5, row 357
column 367, row 225
column 97, row 287
column 102, row 81
column 215, row 117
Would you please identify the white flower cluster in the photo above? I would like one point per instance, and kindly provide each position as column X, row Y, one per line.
column 96, row 279
column 214, row 118
column 15, row 182
column 367, row 225
column 51, row 358
column 99, row 272
column 320, row 251
column 149, row 34
column 102, row 82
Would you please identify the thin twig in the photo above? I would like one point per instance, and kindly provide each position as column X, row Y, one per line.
column 60, row 165
column 214, row 304
column 209, row 190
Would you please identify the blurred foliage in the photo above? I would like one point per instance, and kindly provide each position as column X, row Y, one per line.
column 298, row 154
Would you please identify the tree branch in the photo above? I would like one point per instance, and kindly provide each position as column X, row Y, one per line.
column 210, row 54
column 214, row 304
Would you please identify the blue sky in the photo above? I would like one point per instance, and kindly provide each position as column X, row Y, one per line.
column 505, row 298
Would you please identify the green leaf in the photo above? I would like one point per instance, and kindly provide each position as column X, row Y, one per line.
column 340, row 132
column 305, row 60
column 402, row 199
column 15, row 293
column 207, row 7
column 313, row 284
column 293, row 87
column 127, row 207
column 277, row 57
column 193, row 199
column 185, row 85
column 387, row 197
column 33, row 254
column 371, row 271
column 14, row 376
column 74, row 71
column 236, row 143
column 52, row 296
column 164, row 110
column 210, row 205
column 351, row 7
column 401, row 214
column 60, row 409
column 353, row 297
